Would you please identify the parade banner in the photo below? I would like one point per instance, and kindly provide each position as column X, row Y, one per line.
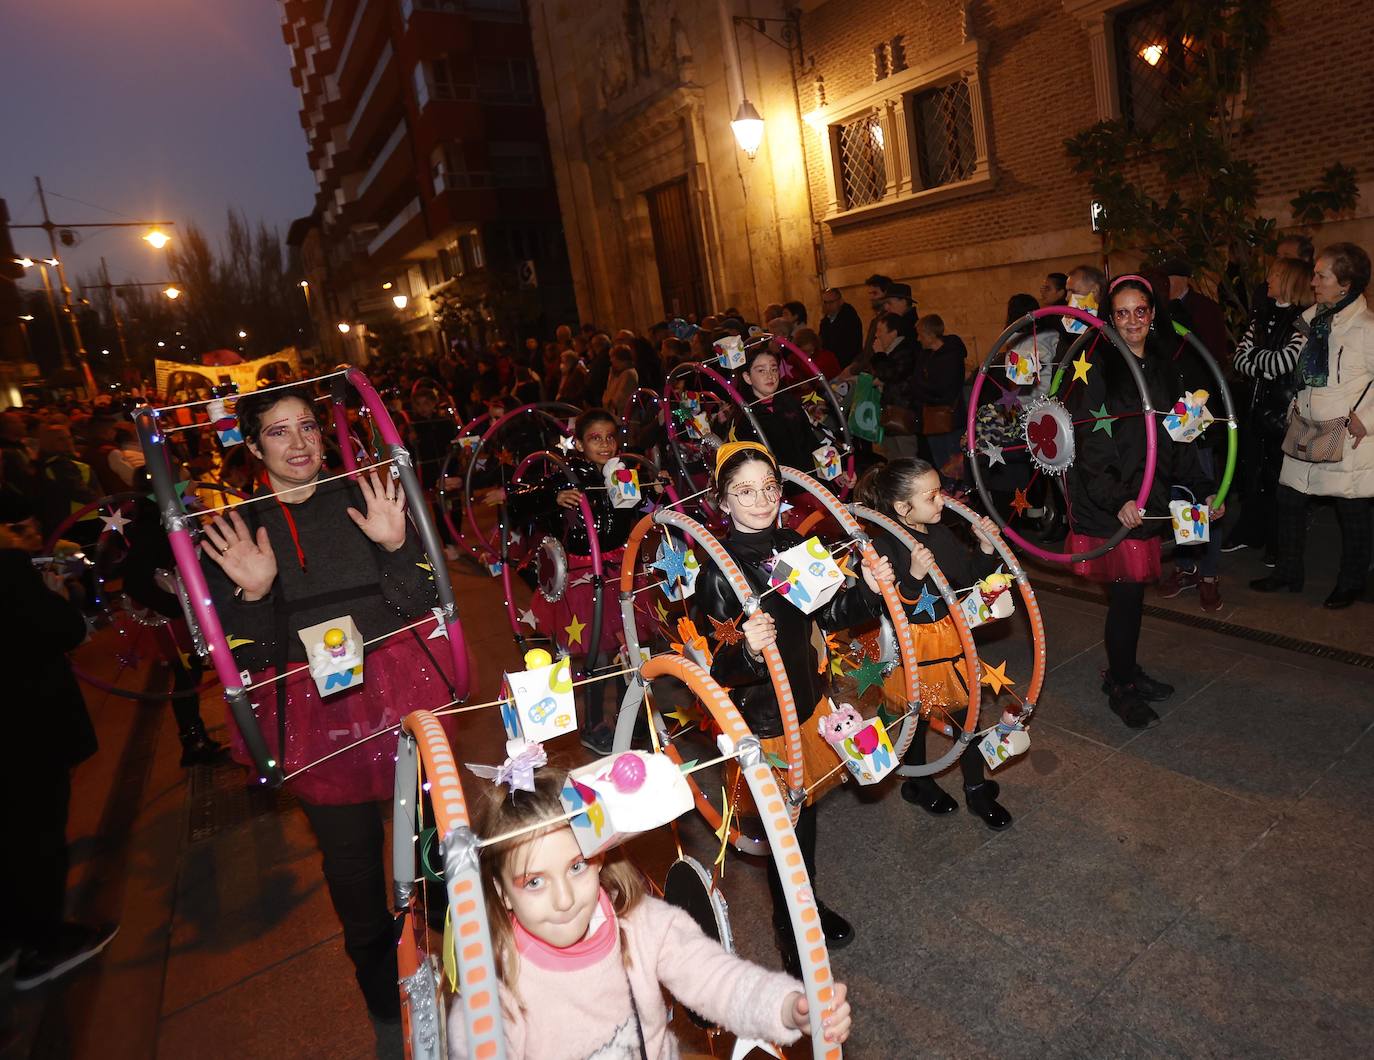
column 175, row 376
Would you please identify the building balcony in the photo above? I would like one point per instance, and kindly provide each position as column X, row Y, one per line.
column 378, row 94
column 391, row 163
column 361, row 40
column 388, row 242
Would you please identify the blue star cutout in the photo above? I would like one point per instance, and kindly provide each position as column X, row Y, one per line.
column 926, row 603
column 672, row 563
column 1009, row 399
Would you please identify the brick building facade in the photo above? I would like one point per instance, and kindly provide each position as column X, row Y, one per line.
column 931, row 141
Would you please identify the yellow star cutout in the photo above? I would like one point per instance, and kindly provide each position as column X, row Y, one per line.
column 680, row 716
column 723, row 832
column 837, row 665
column 235, row 642
column 660, row 611
column 425, row 566
column 1081, row 367
column 574, row 631
column 995, row 677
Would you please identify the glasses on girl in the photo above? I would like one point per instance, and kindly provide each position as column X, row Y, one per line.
column 749, row 496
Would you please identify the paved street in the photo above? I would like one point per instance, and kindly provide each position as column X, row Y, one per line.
column 1200, row 889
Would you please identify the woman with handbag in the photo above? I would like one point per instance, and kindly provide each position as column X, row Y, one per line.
column 937, row 388
column 1268, row 354
column 1323, row 454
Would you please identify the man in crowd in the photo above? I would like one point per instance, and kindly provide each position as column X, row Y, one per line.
column 894, row 359
column 1054, row 289
column 875, row 287
column 842, row 332
column 898, row 299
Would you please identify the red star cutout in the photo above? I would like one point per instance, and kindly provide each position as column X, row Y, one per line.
column 725, row 632
column 506, row 457
column 1020, row 503
column 868, row 645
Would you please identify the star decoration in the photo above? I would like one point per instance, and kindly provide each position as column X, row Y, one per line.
column 926, row 603
column 567, row 443
column 1009, row 399
column 785, row 369
column 837, row 665
column 1103, row 418
column 116, row 522
column 868, row 674
column 505, row 457
column 723, row 832
column 995, row 677
column 425, row 566
column 725, row 632
column 1081, row 367
column 994, row 455
column 527, row 617
column 1020, row 503
column 680, row 716
column 238, row 642
column 574, row 631
column 867, row 645
column 673, row 563
column 660, row 612
column 440, row 630
column 811, row 397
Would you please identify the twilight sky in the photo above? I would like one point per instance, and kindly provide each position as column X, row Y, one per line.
column 163, row 109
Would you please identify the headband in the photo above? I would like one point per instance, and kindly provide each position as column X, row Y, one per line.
column 1130, row 276
column 729, row 449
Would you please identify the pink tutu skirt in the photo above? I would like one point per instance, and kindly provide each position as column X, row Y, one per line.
column 399, row 676
column 568, row 620
column 1133, row 560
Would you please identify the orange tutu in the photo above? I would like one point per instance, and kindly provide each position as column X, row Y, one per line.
column 822, row 769
column 940, row 655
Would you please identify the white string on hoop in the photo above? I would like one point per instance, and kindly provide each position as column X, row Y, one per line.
column 366, row 644
column 293, row 489
column 260, row 390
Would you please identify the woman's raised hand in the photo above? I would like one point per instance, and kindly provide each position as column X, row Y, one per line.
column 875, row 572
column 759, row 632
column 247, row 561
column 385, row 521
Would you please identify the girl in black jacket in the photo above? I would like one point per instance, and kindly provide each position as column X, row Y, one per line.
column 749, row 491
column 1105, row 479
column 908, row 491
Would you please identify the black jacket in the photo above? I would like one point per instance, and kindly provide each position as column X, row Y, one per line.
column 843, row 336
column 537, row 503
column 734, row 667
column 896, row 368
column 47, row 724
column 961, row 563
column 790, row 436
column 1107, row 468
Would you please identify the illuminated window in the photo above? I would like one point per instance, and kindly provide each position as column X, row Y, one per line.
column 1154, row 60
column 860, row 148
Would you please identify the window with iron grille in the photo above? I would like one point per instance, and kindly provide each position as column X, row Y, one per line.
column 945, row 148
column 1154, row 59
column 863, row 174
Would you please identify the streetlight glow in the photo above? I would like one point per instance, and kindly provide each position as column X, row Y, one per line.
column 156, row 238
column 243, row 334
column 400, row 301
column 748, row 128
column 304, row 283
column 26, row 263
column 173, row 293
column 344, row 329
column 386, row 286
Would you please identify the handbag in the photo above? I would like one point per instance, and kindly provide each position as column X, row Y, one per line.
column 937, row 419
column 1318, row 441
column 898, row 419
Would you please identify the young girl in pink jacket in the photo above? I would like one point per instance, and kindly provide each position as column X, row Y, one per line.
column 583, row 953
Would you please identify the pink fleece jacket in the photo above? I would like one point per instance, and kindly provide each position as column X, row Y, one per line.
column 574, row 1004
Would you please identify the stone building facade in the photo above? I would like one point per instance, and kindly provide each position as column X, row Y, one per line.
column 922, row 139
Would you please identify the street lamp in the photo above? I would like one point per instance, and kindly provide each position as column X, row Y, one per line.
column 173, row 293
column 156, row 238
column 344, row 329
column 748, row 128
column 304, row 283
column 243, row 334
column 400, row 301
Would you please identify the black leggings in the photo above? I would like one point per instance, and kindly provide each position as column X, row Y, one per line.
column 1125, row 606
column 806, row 840
column 970, row 762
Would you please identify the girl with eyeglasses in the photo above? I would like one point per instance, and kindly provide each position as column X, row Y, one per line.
column 748, row 491
column 1106, row 476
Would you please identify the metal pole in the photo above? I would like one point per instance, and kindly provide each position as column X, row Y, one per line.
column 80, row 355
column 52, row 308
column 114, row 312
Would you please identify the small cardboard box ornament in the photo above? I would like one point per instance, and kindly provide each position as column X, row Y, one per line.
column 224, row 422
column 334, row 650
column 997, row 747
column 1085, row 302
column 730, row 352
column 540, row 703
column 1189, row 417
column 806, row 575
column 863, row 745
column 698, row 426
column 1023, row 366
column 621, row 796
column 827, row 460
column 622, row 483
column 1192, row 522
column 494, row 568
column 990, row 600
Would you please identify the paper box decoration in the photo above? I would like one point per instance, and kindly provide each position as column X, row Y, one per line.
column 224, row 422
column 827, row 460
column 685, row 582
column 539, row 704
column 622, row 483
column 698, row 426
column 494, row 568
column 863, row 746
column 691, row 401
column 996, row 748
column 469, row 442
column 730, row 352
column 1192, row 522
column 1023, row 366
column 806, row 575
column 1085, row 302
column 990, row 599
column 1189, row 417
column 621, row 796
column 334, row 650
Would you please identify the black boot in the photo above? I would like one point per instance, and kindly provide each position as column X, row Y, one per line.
column 929, row 796
column 1273, row 583
column 197, row 749
column 787, row 947
column 838, row 931
column 981, row 800
column 1129, row 705
column 1150, row 690
column 1342, row 598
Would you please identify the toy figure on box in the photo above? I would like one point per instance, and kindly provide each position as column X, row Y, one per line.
column 310, row 552
column 552, row 505
column 749, row 493
column 583, row 954
column 909, row 492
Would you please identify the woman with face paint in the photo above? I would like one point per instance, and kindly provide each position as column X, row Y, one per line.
column 749, row 493
column 311, row 553
column 1106, row 477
